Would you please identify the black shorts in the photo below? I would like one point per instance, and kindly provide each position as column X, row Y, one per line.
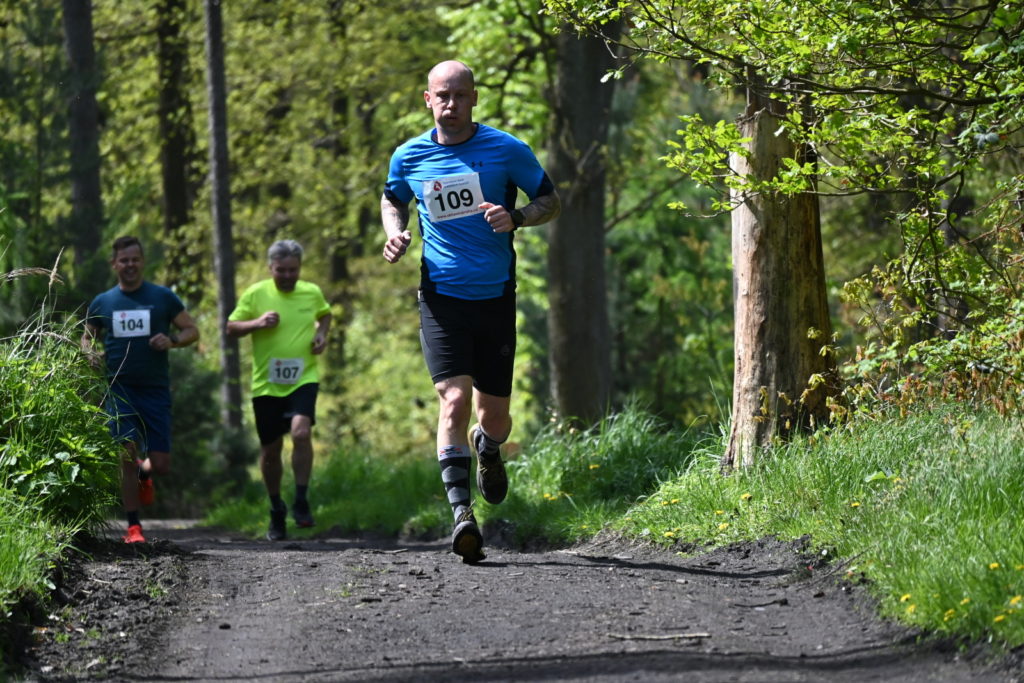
column 274, row 413
column 475, row 338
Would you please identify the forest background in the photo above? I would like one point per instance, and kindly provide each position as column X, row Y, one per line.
column 920, row 239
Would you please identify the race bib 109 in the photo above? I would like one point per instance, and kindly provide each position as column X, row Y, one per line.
column 453, row 196
column 286, row 370
column 130, row 323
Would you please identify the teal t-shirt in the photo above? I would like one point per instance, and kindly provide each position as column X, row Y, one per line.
column 126, row 321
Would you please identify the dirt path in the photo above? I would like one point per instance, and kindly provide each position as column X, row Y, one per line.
column 200, row 605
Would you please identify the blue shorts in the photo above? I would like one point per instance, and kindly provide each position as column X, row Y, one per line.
column 141, row 414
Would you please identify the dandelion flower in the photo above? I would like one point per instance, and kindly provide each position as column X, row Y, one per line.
column 949, row 614
column 719, row 512
column 994, row 565
column 723, row 526
column 1015, row 600
column 999, row 617
column 594, row 465
column 674, row 501
column 855, row 504
column 905, row 597
column 669, row 534
column 746, row 496
column 965, row 601
column 911, row 609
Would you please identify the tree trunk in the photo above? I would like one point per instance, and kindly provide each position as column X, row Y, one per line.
column 782, row 317
column 578, row 329
column 223, row 243
column 83, row 122
column 177, row 148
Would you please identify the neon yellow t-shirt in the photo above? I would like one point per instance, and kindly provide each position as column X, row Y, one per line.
column 282, row 356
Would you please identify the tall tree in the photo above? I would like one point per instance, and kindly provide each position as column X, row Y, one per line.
column 83, row 120
column 579, row 334
column 223, row 244
column 900, row 97
column 177, row 146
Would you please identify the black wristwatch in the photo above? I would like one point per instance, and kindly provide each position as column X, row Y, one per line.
column 517, row 218
column 174, row 338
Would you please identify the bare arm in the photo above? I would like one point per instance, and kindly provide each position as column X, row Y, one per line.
column 394, row 215
column 544, row 208
column 188, row 333
column 240, row 328
column 323, row 325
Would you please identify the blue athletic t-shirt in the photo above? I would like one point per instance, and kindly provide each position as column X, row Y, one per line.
column 462, row 255
column 126, row 321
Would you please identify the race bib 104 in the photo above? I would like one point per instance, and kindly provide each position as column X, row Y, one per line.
column 453, row 196
column 286, row 370
column 130, row 323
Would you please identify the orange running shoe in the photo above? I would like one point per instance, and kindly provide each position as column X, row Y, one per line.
column 134, row 534
column 147, row 492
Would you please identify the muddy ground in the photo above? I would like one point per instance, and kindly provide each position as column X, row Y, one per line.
column 204, row 605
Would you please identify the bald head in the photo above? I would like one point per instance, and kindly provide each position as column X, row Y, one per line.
column 449, row 71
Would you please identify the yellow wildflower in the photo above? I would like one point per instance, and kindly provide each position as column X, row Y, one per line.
column 1015, row 600
column 950, row 613
column 855, row 504
column 669, row 534
column 746, row 496
column 999, row 617
column 723, row 526
column 674, row 501
column 905, row 597
column 965, row 601
column 911, row 609
column 719, row 512
column 994, row 565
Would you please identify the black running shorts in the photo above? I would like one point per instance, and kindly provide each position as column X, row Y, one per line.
column 274, row 413
column 475, row 338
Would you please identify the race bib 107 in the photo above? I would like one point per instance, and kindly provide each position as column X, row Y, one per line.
column 453, row 196
column 286, row 370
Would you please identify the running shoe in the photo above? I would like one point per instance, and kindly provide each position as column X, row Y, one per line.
column 467, row 541
column 491, row 479
column 134, row 534
column 276, row 531
column 301, row 514
column 147, row 492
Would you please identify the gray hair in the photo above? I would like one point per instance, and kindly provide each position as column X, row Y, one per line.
column 282, row 249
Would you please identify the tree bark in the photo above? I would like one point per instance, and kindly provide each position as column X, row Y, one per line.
column 83, row 123
column 223, row 243
column 578, row 329
column 782, row 317
column 177, row 147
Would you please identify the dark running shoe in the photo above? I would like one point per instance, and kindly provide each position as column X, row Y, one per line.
column 491, row 479
column 276, row 531
column 301, row 514
column 467, row 541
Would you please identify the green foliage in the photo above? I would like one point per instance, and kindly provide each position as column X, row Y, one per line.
column 925, row 509
column 567, row 481
column 55, row 450
column 353, row 491
column 30, row 542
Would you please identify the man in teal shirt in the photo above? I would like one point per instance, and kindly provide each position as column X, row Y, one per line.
column 289, row 320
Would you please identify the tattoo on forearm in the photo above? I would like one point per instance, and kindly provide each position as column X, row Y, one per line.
column 542, row 209
column 395, row 217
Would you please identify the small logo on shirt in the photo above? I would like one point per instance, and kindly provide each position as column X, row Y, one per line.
column 437, row 186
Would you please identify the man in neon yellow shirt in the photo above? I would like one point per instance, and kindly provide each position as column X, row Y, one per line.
column 288, row 319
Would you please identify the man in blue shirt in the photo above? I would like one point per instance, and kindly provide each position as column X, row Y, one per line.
column 464, row 177
column 133, row 322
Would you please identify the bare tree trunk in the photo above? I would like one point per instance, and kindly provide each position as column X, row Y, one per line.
column 578, row 329
column 782, row 318
column 83, row 119
column 223, row 243
column 177, row 148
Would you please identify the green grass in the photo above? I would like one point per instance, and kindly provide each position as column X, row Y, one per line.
column 927, row 509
